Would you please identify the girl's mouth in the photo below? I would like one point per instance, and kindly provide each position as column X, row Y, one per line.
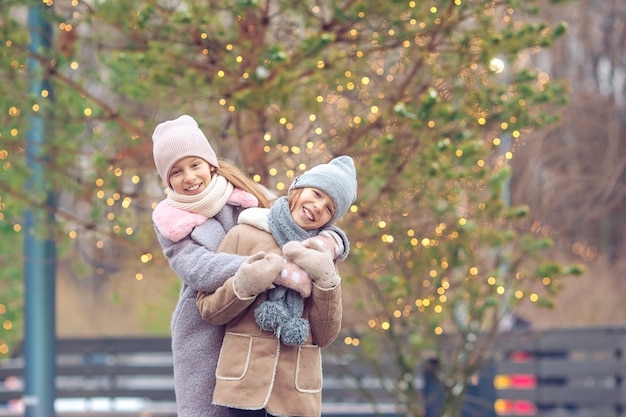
column 308, row 214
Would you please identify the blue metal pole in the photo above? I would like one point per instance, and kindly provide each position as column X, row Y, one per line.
column 39, row 247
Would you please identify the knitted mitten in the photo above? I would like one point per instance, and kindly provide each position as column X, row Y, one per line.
column 257, row 274
column 295, row 278
column 316, row 261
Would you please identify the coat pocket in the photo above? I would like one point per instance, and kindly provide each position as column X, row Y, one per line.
column 234, row 357
column 309, row 369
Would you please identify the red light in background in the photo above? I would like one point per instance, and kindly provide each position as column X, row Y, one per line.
column 520, row 356
column 524, row 407
column 515, row 407
column 515, row 381
column 523, row 381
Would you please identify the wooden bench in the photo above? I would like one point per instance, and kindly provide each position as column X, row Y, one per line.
column 576, row 372
column 133, row 377
column 125, row 375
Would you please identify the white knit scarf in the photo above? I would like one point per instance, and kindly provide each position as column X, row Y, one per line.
column 208, row 203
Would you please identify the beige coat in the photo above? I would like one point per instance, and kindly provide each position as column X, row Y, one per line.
column 255, row 370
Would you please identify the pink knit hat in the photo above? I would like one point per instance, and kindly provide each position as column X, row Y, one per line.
column 176, row 139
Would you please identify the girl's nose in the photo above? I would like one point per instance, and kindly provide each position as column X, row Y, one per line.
column 189, row 176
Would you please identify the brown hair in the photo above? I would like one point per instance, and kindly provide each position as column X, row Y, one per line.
column 293, row 197
column 240, row 180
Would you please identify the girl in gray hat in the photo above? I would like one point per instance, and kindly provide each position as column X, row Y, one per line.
column 204, row 199
column 270, row 361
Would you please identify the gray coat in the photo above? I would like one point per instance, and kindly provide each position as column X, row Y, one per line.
column 196, row 343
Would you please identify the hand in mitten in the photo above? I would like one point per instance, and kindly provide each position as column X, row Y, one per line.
column 257, row 274
column 323, row 241
column 316, row 261
column 295, row 278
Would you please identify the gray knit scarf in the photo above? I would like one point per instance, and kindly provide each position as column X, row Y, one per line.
column 282, row 312
column 283, row 227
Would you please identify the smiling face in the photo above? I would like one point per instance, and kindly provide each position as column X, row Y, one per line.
column 312, row 208
column 190, row 176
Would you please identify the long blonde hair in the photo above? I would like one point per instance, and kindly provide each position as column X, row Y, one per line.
column 240, row 180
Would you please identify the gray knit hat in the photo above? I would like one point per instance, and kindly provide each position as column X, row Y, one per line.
column 336, row 178
column 176, row 139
